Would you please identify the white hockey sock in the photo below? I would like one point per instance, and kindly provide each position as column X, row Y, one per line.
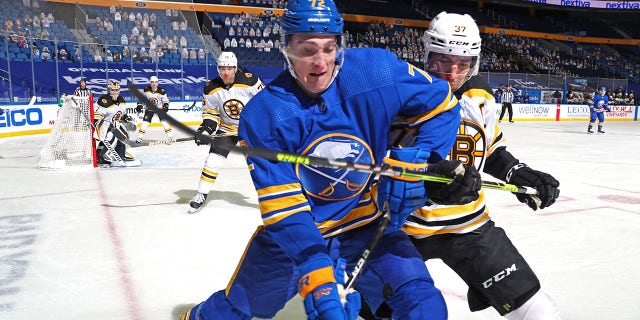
column 210, row 172
column 539, row 307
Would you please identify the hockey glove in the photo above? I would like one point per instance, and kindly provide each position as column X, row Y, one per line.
column 324, row 297
column 464, row 188
column 545, row 184
column 209, row 126
column 404, row 195
column 126, row 118
column 139, row 108
column 165, row 107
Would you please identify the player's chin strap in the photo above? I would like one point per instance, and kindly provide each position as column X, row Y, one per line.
column 318, row 161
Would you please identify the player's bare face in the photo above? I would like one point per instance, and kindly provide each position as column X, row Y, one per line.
column 228, row 74
column 313, row 57
column 452, row 68
column 154, row 85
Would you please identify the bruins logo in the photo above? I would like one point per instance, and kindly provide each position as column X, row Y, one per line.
column 232, row 108
column 248, row 74
column 471, row 144
column 154, row 100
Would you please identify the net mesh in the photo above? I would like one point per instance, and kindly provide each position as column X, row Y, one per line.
column 71, row 138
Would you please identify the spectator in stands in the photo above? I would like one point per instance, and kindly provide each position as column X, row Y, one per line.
column 117, row 16
column 498, row 93
column 201, row 54
column 45, row 22
column 144, row 55
column 184, row 53
column 124, row 40
column 141, row 40
column 35, row 53
column 28, row 22
column 109, row 56
column 183, row 41
column 97, row 56
column 153, row 20
column 117, row 56
column 108, row 26
column 525, row 97
column 63, row 55
column 132, row 17
column 226, row 43
column 175, row 26
column 183, row 25
column 234, row 43
column 557, row 97
column 46, row 55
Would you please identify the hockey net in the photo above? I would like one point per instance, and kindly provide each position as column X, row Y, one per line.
column 71, row 142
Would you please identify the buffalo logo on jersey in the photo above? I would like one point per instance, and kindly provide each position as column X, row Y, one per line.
column 335, row 184
column 232, row 108
column 470, row 145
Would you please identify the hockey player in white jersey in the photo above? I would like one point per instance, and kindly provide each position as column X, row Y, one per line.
column 222, row 102
column 463, row 236
column 112, row 110
column 158, row 96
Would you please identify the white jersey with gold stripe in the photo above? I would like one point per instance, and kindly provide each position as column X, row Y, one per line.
column 224, row 103
column 478, row 136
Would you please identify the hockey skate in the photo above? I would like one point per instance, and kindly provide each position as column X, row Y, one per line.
column 197, row 202
column 600, row 131
column 589, row 131
column 139, row 140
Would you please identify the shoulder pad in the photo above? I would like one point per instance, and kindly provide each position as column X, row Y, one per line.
column 213, row 84
column 147, row 89
column 246, row 78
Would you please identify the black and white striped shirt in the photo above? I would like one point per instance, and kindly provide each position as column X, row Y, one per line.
column 507, row 96
column 82, row 92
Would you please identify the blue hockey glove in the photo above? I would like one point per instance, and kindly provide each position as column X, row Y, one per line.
column 404, row 195
column 464, row 188
column 544, row 183
column 320, row 286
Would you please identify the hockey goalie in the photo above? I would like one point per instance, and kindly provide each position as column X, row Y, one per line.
column 112, row 125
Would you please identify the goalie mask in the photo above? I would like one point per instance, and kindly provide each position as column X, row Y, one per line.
column 313, row 18
column 114, row 90
column 452, row 48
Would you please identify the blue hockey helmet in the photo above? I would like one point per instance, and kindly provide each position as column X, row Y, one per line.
column 312, row 17
column 303, row 16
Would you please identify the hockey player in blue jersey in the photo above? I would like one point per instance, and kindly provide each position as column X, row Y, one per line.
column 597, row 106
column 337, row 104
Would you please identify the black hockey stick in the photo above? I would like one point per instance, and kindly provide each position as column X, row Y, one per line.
column 364, row 256
column 324, row 162
column 187, row 109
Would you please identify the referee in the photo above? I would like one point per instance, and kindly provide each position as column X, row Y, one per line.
column 507, row 99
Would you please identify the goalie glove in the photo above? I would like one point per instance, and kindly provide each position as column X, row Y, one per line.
column 464, row 188
column 139, row 108
column 544, row 183
column 165, row 107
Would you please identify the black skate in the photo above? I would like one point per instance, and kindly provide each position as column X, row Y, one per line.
column 197, row 202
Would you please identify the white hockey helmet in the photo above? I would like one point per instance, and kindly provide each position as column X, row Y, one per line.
column 227, row 59
column 153, row 79
column 453, row 34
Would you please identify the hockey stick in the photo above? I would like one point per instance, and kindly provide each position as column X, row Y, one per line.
column 134, row 144
column 325, row 162
column 187, row 109
column 364, row 256
column 106, row 143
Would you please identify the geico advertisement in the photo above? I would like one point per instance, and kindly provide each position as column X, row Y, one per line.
column 37, row 119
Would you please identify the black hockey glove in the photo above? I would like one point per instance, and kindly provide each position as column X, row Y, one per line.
column 126, row 118
column 139, row 108
column 165, row 107
column 200, row 132
column 464, row 188
column 544, row 183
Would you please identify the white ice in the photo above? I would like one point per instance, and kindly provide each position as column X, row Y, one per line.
column 119, row 244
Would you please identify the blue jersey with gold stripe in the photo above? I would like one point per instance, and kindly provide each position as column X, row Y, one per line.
column 350, row 122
